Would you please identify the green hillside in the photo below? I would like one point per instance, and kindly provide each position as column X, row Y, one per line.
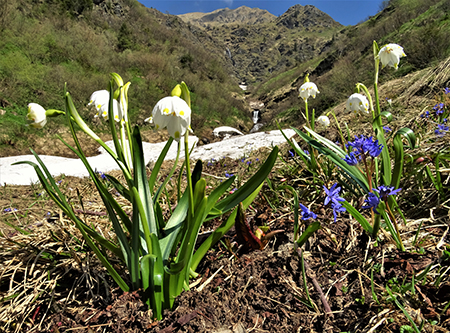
column 46, row 44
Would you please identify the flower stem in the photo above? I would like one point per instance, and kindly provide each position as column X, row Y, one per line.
column 188, row 172
column 375, row 83
column 307, row 114
column 394, row 222
column 163, row 186
column 376, row 224
column 368, row 174
column 340, row 131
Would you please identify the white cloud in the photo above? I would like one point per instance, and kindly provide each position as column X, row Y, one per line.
column 228, row 2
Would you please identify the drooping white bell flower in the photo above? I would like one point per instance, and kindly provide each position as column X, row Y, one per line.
column 390, row 55
column 357, row 102
column 174, row 113
column 36, row 114
column 324, row 121
column 308, row 89
column 117, row 111
column 99, row 98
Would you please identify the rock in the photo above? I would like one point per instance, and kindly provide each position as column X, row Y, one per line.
column 226, row 132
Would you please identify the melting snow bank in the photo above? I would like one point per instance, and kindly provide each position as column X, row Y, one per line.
column 235, row 147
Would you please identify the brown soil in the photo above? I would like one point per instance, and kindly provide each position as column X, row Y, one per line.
column 260, row 291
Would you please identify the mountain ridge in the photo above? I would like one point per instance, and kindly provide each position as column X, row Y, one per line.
column 242, row 15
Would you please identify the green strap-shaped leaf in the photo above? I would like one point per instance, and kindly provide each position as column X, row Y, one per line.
column 80, row 226
column 295, row 146
column 153, row 282
column 123, row 191
column 358, row 216
column 159, row 161
column 250, row 186
column 141, row 192
column 399, row 153
column 221, row 230
column 335, row 154
column 111, row 204
column 310, row 230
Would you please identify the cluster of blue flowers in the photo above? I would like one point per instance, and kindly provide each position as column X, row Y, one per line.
column 102, row 175
column 332, row 197
column 335, row 199
column 7, row 210
column 362, row 147
column 439, row 116
column 441, row 130
column 439, row 108
column 373, row 200
column 383, row 191
column 307, row 214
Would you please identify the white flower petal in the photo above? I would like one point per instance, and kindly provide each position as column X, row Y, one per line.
column 174, row 113
column 324, row 121
column 308, row 89
column 357, row 103
column 390, row 55
column 99, row 98
column 116, row 111
column 36, row 114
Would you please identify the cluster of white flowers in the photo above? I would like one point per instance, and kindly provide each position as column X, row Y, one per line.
column 389, row 55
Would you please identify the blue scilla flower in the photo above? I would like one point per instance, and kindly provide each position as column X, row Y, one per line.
column 362, row 146
column 385, row 191
column 306, row 213
column 333, row 195
column 228, row 175
column 337, row 209
column 446, row 90
column 439, row 108
column 387, row 129
column 351, row 159
column 425, row 115
column 357, row 144
column 441, row 130
column 335, row 199
column 373, row 148
column 372, row 202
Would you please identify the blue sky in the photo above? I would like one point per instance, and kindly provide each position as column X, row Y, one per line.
column 346, row 12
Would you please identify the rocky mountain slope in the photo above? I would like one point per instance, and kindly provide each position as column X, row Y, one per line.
column 260, row 44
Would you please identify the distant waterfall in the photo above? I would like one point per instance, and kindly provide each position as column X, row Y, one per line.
column 228, row 53
column 255, row 116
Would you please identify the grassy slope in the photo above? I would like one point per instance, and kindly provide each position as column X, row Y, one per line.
column 47, row 44
column 423, row 31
